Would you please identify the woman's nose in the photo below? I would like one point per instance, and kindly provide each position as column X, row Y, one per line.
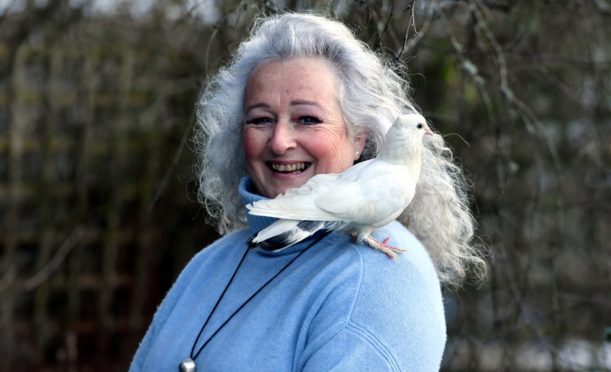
column 282, row 139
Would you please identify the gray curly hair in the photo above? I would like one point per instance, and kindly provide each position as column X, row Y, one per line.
column 371, row 96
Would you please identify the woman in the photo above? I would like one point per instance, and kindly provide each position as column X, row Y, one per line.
column 303, row 97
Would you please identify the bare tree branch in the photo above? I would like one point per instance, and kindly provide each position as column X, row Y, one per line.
column 55, row 262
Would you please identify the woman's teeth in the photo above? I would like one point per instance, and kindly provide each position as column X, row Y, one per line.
column 289, row 167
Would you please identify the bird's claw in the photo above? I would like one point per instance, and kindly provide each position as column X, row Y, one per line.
column 383, row 247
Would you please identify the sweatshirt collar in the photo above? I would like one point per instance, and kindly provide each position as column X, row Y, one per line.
column 248, row 195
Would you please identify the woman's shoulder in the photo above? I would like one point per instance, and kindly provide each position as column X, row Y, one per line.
column 390, row 305
column 411, row 273
column 412, row 270
column 399, row 304
column 373, row 280
column 414, row 261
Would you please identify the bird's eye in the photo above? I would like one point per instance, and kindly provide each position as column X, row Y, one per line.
column 420, row 126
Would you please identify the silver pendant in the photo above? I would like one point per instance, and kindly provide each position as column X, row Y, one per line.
column 187, row 365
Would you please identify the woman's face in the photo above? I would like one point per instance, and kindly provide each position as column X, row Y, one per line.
column 294, row 127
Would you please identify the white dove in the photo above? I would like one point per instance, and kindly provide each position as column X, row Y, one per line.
column 364, row 197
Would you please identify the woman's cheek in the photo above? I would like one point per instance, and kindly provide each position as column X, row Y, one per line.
column 252, row 144
column 331, row 156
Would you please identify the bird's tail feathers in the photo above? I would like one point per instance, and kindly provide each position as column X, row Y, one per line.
column 284, row 233
column 306, row 212
column 277, row 228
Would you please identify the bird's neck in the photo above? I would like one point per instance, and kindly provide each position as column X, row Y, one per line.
column 402, row 153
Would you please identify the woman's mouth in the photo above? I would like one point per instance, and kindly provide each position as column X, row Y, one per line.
column 294, row 168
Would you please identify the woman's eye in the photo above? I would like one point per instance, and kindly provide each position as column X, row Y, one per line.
column 309, row 120
column 259, row 121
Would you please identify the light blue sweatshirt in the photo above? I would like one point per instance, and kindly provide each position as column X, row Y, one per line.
column 340, row 306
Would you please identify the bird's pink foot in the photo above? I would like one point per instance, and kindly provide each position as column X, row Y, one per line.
column 383, row 247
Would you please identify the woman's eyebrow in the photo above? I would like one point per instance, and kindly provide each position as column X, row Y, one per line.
column 304, row 102
column 257, row 105
column 296, row 102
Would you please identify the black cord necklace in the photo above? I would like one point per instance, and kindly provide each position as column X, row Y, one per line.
column 188, row 365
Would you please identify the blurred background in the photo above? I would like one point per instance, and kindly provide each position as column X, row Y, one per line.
column 97, row 204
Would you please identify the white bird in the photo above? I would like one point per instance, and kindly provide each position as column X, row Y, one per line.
column 364, row 197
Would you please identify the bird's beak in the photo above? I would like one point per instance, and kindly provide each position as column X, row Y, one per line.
column 428, row 131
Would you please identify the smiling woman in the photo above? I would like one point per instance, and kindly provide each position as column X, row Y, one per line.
column 294, row 126
column 303, row 97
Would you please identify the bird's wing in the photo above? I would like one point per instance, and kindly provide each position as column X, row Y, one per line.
column 370, row 193
column 298, row 204
column 375, row 199
column 356, row 171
